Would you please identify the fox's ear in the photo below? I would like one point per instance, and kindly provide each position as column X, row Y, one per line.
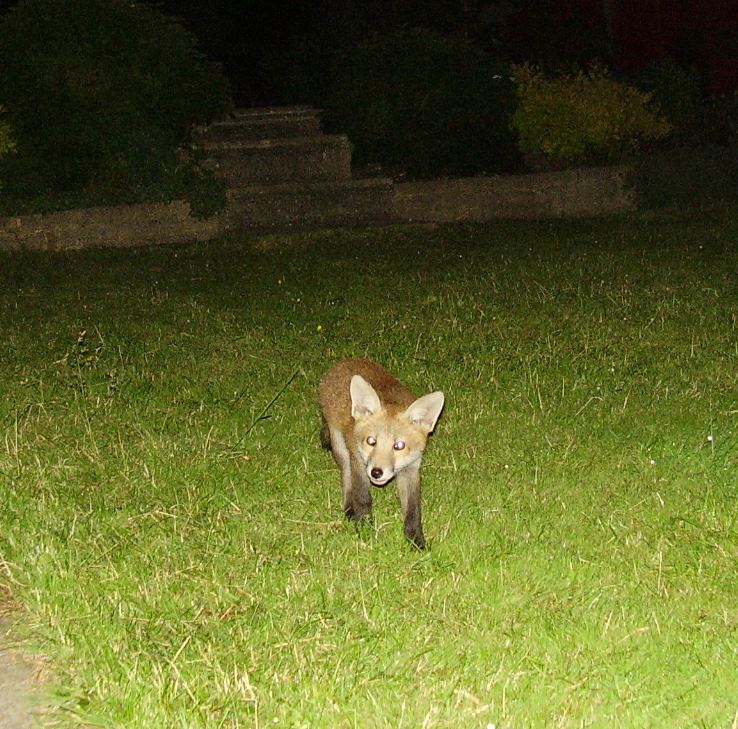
column 425, row 410
column 364, row 400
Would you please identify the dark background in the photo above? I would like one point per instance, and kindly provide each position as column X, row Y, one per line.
column 626, row 34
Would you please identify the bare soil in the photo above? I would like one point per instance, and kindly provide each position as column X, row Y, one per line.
column 19, row 676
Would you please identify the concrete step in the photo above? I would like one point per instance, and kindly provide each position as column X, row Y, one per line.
column 265, row 123
column 315, row 204
column 273, row 161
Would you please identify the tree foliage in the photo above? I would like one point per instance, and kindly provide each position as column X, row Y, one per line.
column 100, row 93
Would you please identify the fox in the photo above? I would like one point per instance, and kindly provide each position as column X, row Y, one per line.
column 377, row 431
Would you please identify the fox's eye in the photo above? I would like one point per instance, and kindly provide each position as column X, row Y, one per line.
column 399, row 445
column 371, row 440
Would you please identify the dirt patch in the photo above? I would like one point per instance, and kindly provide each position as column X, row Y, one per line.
column 20, row 676
column 17, row 680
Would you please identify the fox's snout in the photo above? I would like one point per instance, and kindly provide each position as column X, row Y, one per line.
column 379, row 476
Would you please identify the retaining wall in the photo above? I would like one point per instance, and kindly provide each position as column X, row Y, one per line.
column 570, row 193
column 106, row 227
column 578, row 192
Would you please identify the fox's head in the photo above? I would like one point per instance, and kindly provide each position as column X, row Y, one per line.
column 389, row 440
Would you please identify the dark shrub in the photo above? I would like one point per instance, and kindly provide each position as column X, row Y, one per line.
column 7, row 144
column 687, row 176
column 429, row 106
column 696, row 119
column 100, row 94
column 720, row 119
column 677, row 91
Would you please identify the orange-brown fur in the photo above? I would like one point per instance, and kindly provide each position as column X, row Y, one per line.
column 377, row 430
column 335, row 399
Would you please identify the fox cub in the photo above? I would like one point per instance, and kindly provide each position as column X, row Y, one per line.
column 377, row 430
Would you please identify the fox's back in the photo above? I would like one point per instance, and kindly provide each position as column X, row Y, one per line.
column 335, row 396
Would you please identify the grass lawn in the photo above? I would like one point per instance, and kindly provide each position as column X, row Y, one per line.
column 174, row 532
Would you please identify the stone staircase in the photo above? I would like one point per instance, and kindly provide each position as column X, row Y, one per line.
column 282, row 171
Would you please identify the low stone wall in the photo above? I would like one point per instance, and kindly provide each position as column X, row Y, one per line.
column 106, row 227
column 578, row 192
column 569, row 193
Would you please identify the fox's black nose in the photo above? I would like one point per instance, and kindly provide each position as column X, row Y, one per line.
column 377, row 473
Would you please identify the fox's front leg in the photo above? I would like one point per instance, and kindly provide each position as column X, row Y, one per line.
column 408, row 486
column 357, row 501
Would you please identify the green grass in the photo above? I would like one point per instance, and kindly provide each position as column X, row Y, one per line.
column 174, row 532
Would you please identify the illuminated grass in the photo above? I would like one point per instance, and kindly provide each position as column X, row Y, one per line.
column 174, row 530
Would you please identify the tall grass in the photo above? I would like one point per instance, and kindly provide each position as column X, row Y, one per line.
column 174, row 533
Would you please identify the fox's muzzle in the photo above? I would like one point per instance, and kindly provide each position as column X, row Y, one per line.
column 378, row 477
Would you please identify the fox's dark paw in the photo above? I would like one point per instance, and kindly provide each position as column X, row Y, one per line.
column 357, row 512
column 416, row 538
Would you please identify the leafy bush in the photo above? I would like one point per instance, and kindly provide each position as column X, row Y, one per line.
column 415, row 101
column 583, row 117
column 100, row 94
